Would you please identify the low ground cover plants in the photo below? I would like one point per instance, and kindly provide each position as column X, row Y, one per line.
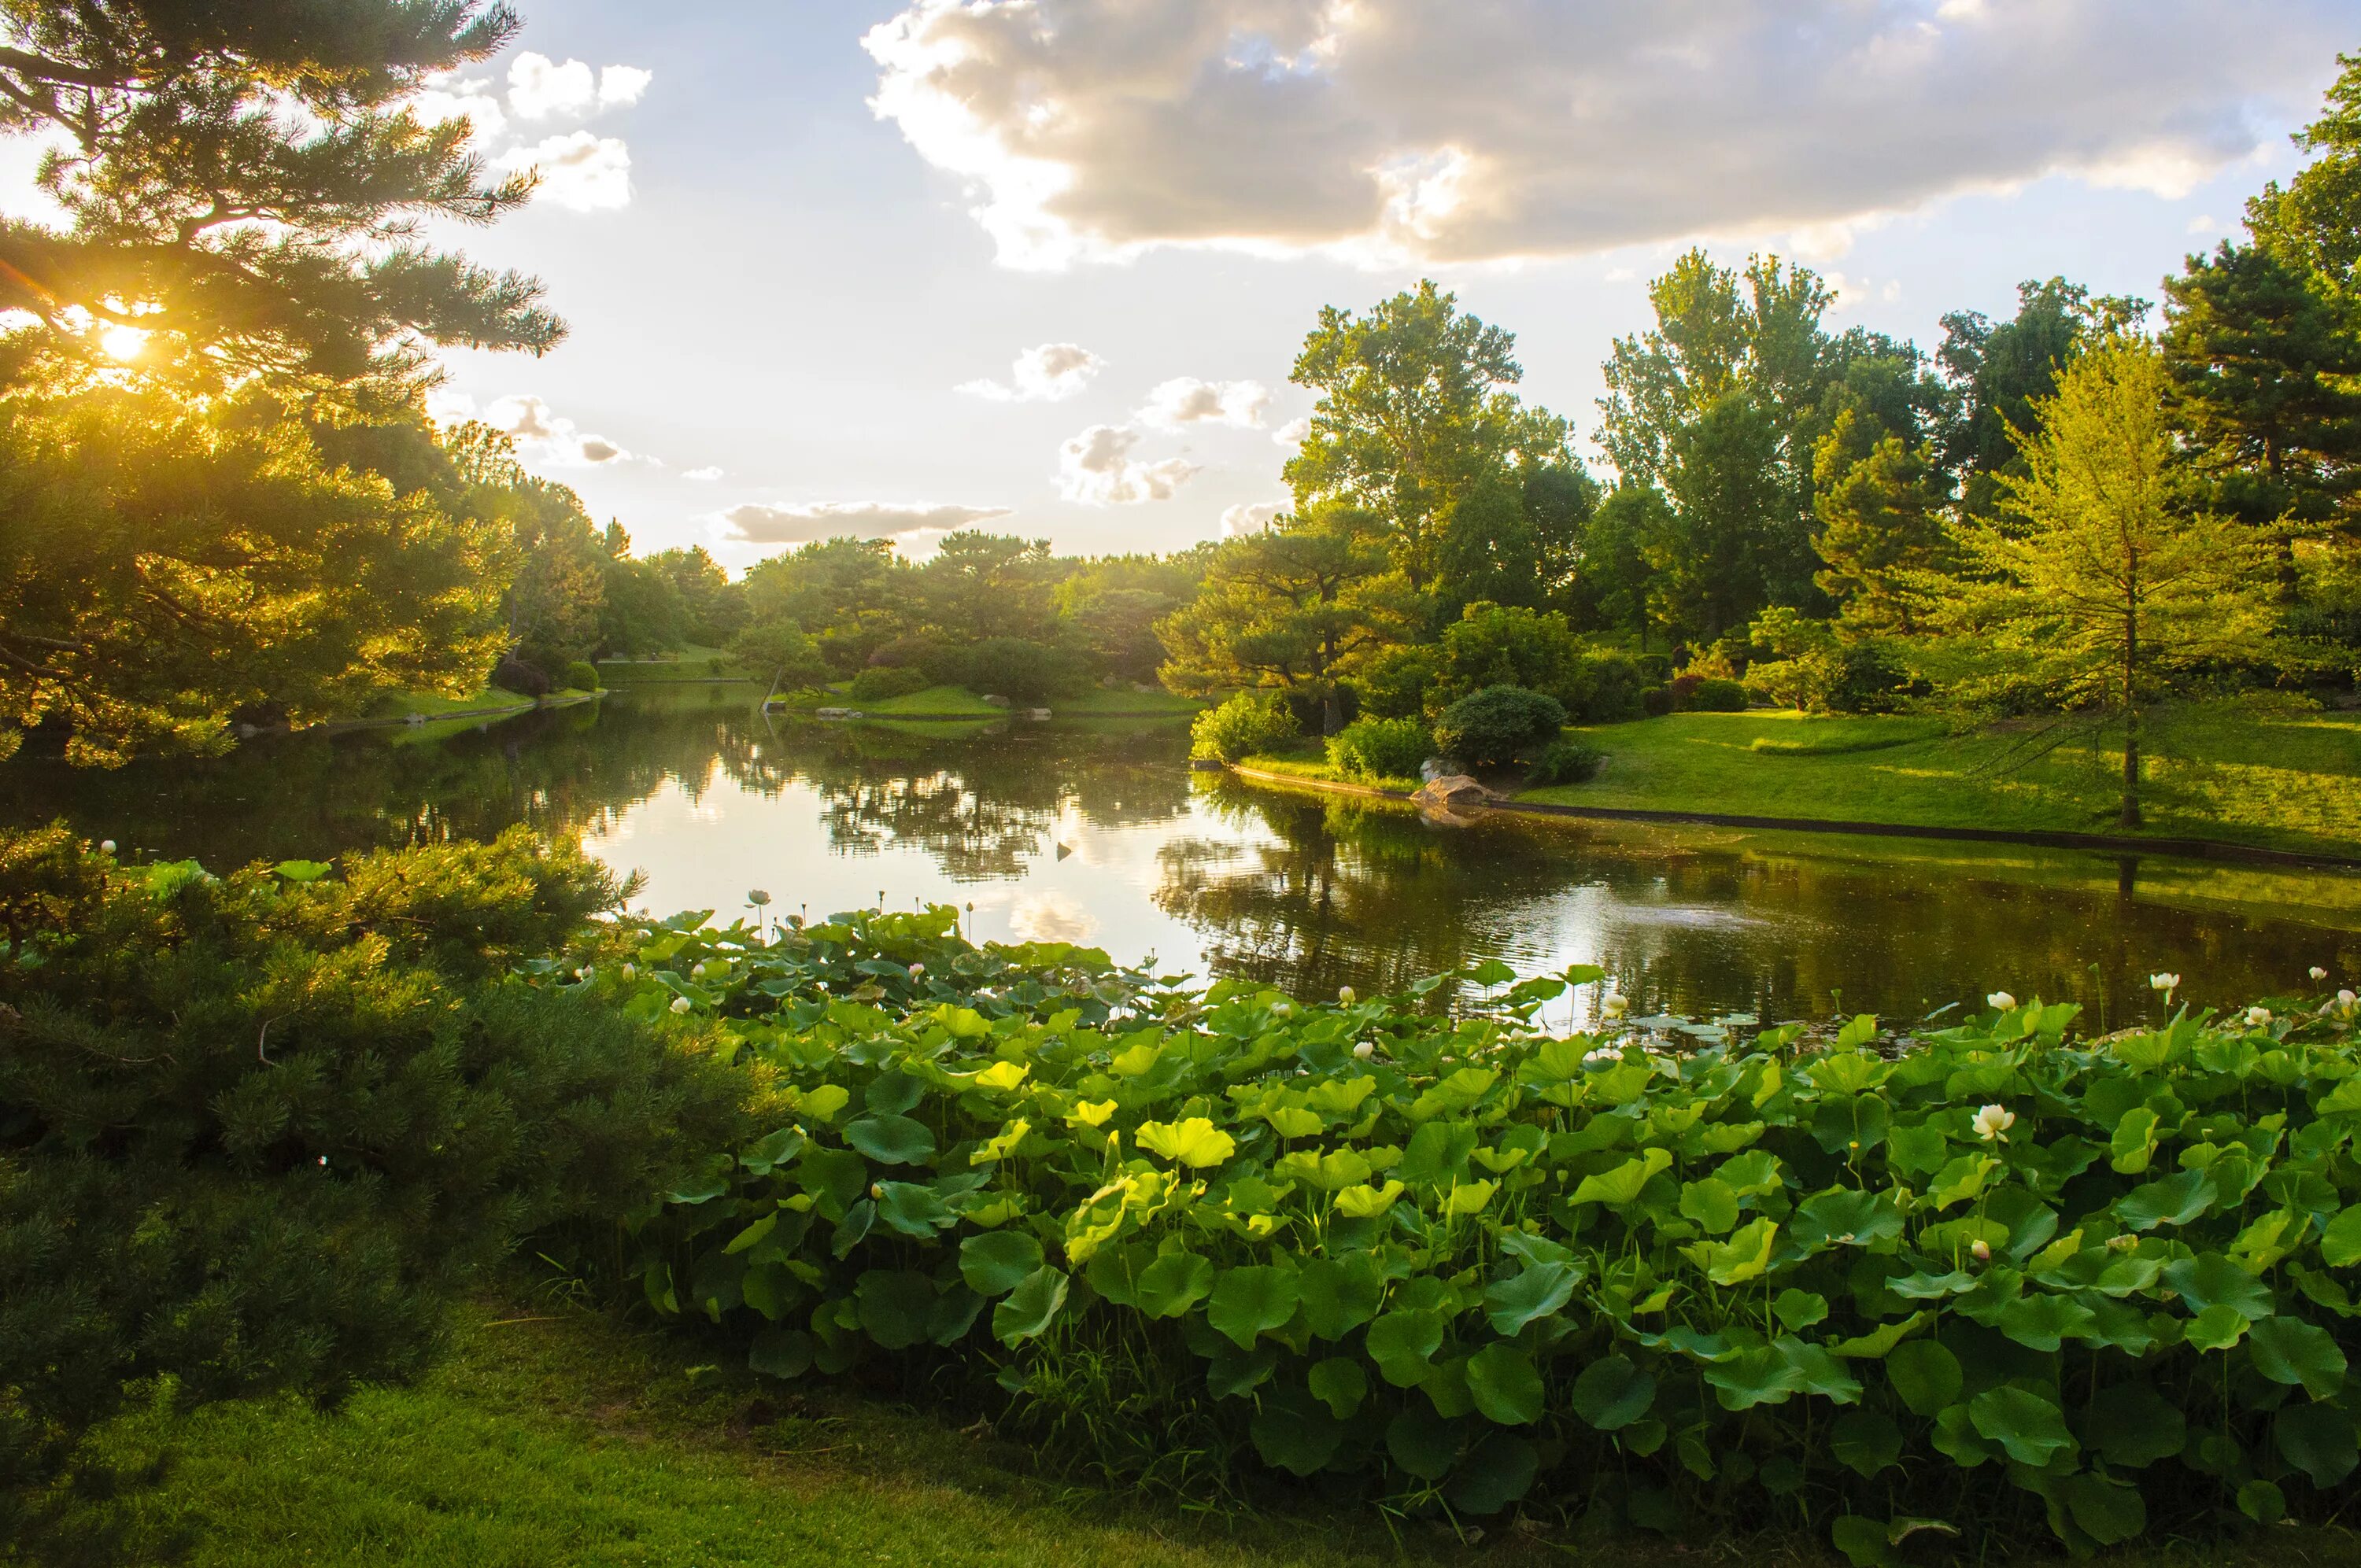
column 1985, row 1278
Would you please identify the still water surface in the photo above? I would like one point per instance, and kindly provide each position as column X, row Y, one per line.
column 1096, row 832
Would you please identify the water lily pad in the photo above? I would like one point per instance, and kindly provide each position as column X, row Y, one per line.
column 1293, row 1433
column 1506, row 1388
column 1438, row 1153
column 997, row 1261
column 1400, row 1342
column 1339, row 1382
column 1174, row 1283
column 1246, row 1301
column 913, row 1209
column 894, row 1304
column 781, row 1352
column 2175, row 1201
column 2029, row 1427
column 1195, row 1142
column 2134, row 1426
column 1865, row 1440
column 1536, row 1291
column 2107, row 1511
column 2288, row 1351
column 1339, row 1294
column 1499, row 1471
column 1926, row 1375
column 891, row 1140
column 2318, row 1440
column 2210, row 1279
column 1029, row 1308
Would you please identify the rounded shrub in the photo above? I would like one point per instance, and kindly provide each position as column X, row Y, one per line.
column 1716, row 695
column 1566, row 761
column 1656, row 701
column 1373, row 748
column 582, row 675
column 1249, row 722
column 1024, row 671
column 1612, row 683
column 882, row 683
column 1497, row 725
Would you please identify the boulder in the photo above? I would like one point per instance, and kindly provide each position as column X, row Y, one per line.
column 1454, row 792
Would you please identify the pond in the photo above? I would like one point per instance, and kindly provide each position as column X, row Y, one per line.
column 1097, row 832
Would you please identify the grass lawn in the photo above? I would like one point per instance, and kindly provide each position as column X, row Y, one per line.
column 694, row 662
column 554, row 1437
column 2248, row 774
column 1100, row 699
column 953, row 700
column 1309, row 760
column 429, row 705
column 2217, row 770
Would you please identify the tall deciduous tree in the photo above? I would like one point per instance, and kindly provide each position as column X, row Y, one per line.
column 2101, row 591
column 1997, row 370
column 1478, row 496
column 244, row 183
column 1882, row 524
column 2315, row 220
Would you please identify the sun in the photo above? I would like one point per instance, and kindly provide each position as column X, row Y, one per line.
column 124, row 343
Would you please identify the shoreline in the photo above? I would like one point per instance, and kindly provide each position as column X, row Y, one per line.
column 2048, row 838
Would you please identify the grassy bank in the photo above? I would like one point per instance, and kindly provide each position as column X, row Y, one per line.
column 555, row 1437
column 2289, row 781
column 690, row 663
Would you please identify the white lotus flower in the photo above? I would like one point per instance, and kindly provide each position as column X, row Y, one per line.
column 2345, row 999
column 680, row 1004
column 696, row 970
column 1365, row 1050
column 918, row 970
column 1604, row 1053
column 2317, row 972
column 1346, row 996
column 1993, row 1121
column 2258, row 1018
column 1614, row 1007
column 2001, row 1001
column 106, row 845
column 1982, row 1249
column 2167, row 984
column 631, row 972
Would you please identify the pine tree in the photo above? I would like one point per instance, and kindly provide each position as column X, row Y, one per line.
column 1882, row 526
column 245, row 184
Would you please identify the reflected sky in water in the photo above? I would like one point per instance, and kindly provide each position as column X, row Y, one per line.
column 1099, row 834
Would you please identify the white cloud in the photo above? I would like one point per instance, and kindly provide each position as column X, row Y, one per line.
column 451, row 97
column 2204, row 224
column 1187, row 400
column 801, row 523
column 621, row 86
column 542, row 435
column 540, row 87
column 1851, row 293
column 704, row 476
column 1292, row 433
column 1048, row 373
column 1249, row 518
column 1096, row 468
column 588, row 173
column 1388, row 130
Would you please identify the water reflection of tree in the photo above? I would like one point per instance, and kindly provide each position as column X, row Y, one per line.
column 1309, row 894
column 981, row 801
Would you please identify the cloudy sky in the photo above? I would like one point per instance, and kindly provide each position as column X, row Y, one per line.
column 1042, row 265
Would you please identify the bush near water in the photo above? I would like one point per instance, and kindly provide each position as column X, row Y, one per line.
column 1987, row 1279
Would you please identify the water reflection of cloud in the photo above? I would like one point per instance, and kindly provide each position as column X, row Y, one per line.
column 1050, row 915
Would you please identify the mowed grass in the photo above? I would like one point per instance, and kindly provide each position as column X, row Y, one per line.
column 2226, row 772
column 551, row 1438
column 694, row 662
column 954, row 701
column 434, row 705
column 562, row 1439
column 1125, row 702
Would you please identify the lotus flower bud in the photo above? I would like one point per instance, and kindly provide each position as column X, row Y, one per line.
column 2001, row 1001
column 1365, row 1050
column 680, row 1004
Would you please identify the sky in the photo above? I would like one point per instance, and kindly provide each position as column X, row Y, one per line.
column 1042, row 265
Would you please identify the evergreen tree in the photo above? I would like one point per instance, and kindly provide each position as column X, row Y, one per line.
column 1290, row 605
column 1882, row 524
column 2268, row 365
column 2100, row 592
column 244, row 184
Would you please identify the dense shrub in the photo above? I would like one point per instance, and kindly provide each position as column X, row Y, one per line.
column 1025, row 672
column 1566, row 761
column 1993, row 1278
column 514, row 674
column 1713, row 695
column 1874, row 679
column 1394, row 683
column 1609, row 688
column 1248, row 722
column 1497, row 725
column 255, row 1130
column 1373, row 748
column 883, row 683
column 582, row 675
column 1656, row 701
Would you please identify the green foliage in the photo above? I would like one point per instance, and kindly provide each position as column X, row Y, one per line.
column 779, row 652
column 1497, row 725
column 1246, row 723
column 582, row 675
column 1373, row 750
column 1714, row 694
column 1765, row 1281
column 1566, row 761
column 879, row 682
column 258, row 1128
